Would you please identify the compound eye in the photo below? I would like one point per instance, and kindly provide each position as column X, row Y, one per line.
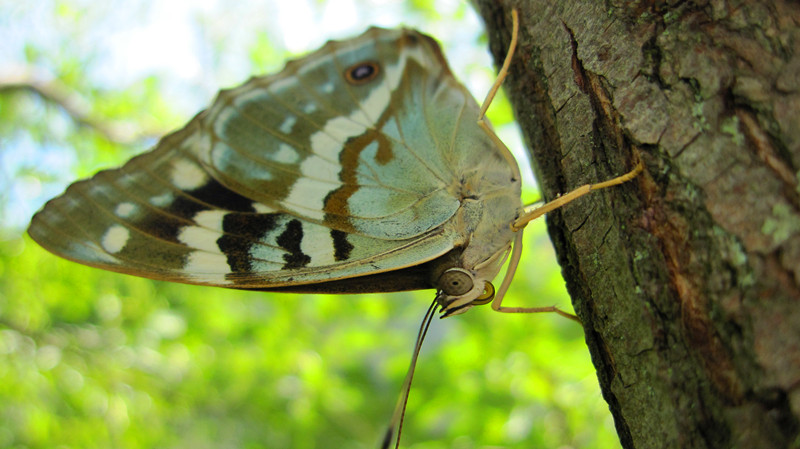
column 456, row 282
column 486, row 297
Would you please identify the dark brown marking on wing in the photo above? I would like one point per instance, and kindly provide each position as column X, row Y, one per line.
column 217, row 195
column 341, row 247
column 242, row 231
column 335, row 204
column 290, row 240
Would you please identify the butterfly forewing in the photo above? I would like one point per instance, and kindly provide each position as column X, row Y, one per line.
column 295, row 179
column 342, row 154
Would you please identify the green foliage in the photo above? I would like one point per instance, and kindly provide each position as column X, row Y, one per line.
column 92, row 359
column 96, row 359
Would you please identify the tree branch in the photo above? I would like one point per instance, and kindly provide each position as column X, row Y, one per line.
column 686, row 279
column 24, row 79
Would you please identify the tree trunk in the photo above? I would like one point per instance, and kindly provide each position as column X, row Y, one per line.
column 686, row 279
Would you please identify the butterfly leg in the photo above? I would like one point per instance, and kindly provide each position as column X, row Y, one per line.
column 501, row 76
column 531, row 214
column 513, row 261
column 553, row 309
column 498, row 307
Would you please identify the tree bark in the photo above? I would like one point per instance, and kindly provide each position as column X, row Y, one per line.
column 686, row 279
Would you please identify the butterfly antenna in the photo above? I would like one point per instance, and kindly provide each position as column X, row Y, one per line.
column 396, row 424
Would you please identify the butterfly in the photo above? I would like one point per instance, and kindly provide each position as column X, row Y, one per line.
column 362, row 167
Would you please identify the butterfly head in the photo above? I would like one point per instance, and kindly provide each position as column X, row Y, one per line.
column 459, row 289
column 460, row 286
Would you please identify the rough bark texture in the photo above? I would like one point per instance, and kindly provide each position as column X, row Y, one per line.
column 687, row 278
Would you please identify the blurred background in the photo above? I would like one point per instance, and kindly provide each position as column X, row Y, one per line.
column 92, row 359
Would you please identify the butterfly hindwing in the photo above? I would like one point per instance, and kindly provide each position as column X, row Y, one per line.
column 360, row 159
column 161, row 216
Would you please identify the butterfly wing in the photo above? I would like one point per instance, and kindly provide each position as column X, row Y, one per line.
column 137, row 220
column 294, row 179
column 360, row 157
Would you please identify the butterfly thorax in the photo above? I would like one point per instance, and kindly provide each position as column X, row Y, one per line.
column 490, row 202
